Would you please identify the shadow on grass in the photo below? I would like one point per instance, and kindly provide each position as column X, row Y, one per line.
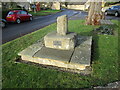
column 115, row 29
column 94, row 48
column 85, row 33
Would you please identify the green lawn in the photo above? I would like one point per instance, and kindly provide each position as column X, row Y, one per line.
column 44, row 12
column 104, row 62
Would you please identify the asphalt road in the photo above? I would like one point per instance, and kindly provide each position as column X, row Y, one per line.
column 13, row 31
column 82, row 15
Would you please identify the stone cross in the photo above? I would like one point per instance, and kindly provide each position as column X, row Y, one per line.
column 62, row 25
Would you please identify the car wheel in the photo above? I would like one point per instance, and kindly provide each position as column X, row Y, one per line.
column 3, row 24
column 31, row 18
column 106, row 13
column 18, row 21
column 116, row 14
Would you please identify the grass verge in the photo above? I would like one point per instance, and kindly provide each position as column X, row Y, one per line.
column 20, row 75
column 44, row 12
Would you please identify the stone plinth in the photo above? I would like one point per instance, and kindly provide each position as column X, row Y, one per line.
column 56, row 41
column 62, row 39
column 78, row 58
column 55, row 54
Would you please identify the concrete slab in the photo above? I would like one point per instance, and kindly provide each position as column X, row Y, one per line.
column 54, row 54
column 84, row 41
column 82, row 56
column 51, row 62
column 31, row 50
column 82, row 53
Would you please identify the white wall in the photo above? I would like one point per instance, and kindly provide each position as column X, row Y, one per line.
column 76, row 7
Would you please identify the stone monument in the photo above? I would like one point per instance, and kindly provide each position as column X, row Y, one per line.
column 61, row 48
column 62, row 39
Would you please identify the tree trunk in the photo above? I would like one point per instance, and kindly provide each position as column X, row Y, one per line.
column 94, row 14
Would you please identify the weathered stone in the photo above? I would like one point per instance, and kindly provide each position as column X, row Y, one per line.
column 62, row 39
column 82, row 56
column 31, row 50
column 54, row 54
column 62, row 25
column 82, row 53
column 84, row 41
column 53, row 40
column 52, row 62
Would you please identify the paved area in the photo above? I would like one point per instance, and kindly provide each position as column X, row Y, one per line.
column 81, row 15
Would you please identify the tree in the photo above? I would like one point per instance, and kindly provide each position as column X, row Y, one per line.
column 95, row 13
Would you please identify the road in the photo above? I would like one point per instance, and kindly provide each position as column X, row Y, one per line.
column 82, row 15
column 13, row 31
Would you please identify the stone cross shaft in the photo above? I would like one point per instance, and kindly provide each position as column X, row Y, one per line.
column 62, row 25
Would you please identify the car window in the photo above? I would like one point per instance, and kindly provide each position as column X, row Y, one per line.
column 19, row 12
column 23, row 12
column 11, row 13
column 112, row 7
column 118, row 7
column 115, row 7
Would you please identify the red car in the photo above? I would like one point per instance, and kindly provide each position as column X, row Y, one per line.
column 18, row 16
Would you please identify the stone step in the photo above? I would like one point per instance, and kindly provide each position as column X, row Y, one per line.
column 78, row 58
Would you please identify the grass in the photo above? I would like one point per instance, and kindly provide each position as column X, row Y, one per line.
column 44, row 12
column 20, row 75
